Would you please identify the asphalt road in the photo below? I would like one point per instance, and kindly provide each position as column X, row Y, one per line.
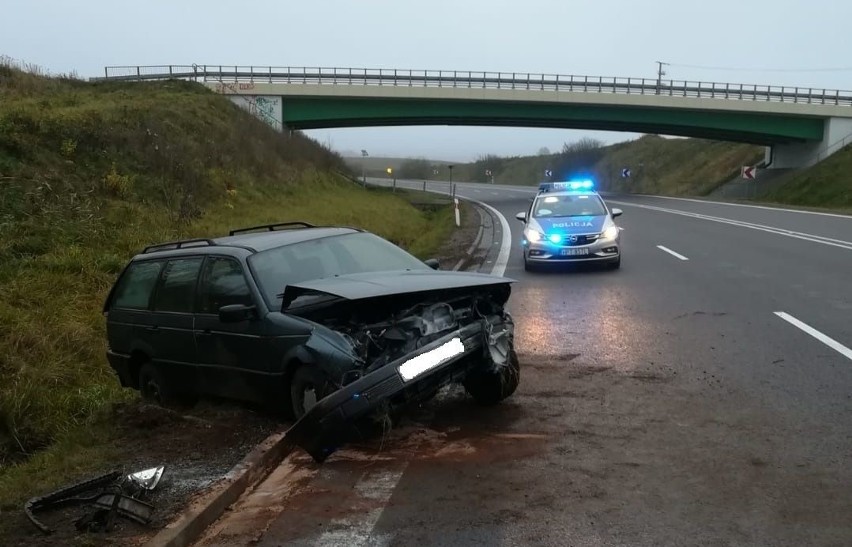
column 701, row 395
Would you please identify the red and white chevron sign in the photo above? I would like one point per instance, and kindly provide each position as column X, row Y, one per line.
column 748, row 172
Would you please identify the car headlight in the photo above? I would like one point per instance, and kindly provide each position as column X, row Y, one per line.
column 534, row 236
column 610, row 233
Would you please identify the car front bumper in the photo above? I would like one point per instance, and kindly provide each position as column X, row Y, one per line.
column 599, row 250
column 325, row 427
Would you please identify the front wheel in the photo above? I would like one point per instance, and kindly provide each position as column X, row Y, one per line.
column 490, row 387
column 308, row 386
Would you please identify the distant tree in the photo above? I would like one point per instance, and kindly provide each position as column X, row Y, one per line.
column 415, row 169
column 544, row 151
column 579, row 157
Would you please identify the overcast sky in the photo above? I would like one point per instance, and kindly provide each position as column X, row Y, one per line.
column 781, row 42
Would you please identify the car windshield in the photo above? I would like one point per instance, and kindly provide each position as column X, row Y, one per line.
column 274, row 269
column 568, row 206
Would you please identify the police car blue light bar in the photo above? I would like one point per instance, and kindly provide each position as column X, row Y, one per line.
column 584, row 184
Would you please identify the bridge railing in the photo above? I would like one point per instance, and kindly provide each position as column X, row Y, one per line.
column 478, row 80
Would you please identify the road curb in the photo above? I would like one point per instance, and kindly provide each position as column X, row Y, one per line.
column 204, row 511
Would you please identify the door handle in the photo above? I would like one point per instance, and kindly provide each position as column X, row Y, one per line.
column 205, row 332
column 152, row 328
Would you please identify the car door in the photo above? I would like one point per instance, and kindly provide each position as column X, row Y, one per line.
column 234, row 357
column 129, row 317
column 171, row 332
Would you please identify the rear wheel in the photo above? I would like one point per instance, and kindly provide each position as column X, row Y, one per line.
column 489, row 388
column 156, row 388
column 308, row 386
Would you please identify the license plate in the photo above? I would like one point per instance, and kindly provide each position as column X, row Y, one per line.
column 573, row 252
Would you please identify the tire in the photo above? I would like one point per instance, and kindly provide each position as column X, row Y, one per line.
column 489, row 388
column 155, row 388
column 614, row 265
column 528, row 266
column 307, row 386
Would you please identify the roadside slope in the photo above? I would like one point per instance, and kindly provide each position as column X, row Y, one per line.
column 89, row 174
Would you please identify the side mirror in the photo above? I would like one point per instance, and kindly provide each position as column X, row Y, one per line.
column 522, row 216
column 236, row 313
column 432, row 263
column 617, row 213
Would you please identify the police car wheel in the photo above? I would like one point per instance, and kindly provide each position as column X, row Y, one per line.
column 528, row 266
column 614, row 265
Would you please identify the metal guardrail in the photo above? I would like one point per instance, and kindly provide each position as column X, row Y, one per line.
column 479, row 80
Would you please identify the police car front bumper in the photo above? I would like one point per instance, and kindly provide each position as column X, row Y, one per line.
column 547, row 252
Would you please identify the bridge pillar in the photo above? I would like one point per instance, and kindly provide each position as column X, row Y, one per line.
column 837, row 134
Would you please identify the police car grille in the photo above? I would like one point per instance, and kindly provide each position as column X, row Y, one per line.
column 581, row 240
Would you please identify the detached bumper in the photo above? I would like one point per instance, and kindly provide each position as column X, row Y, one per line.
column 324, row 428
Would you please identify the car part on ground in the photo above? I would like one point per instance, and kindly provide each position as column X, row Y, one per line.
column 110, row 494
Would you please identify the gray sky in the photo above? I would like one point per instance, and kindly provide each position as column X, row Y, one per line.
column 592, row 37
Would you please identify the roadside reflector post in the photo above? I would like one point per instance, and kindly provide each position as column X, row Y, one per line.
column 458, row 217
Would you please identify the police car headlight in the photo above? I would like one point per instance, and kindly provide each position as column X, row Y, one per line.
column 534, row 236
column 610, row 233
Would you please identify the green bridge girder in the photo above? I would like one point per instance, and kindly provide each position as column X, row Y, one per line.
column 758, row 128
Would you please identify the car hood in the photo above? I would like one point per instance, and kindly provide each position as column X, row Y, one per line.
column 376, row 284
column 571, row 225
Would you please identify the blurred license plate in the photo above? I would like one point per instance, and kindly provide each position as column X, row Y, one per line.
column 573, row 252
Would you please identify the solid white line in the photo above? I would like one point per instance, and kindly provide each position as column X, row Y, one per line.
column 828, row 341
column 838, row 215
column 674, row 254
column 763, row 228
column 506, row 243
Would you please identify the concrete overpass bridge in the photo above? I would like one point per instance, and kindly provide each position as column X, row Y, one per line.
column 799, row 126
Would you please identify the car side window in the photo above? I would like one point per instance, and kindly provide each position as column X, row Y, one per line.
column 177, row 288
column 222, row 284
column 134, row 289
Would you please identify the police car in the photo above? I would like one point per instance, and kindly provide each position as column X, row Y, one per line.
column 569, row 222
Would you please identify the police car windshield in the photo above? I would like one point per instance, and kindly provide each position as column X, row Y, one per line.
column 568, row 206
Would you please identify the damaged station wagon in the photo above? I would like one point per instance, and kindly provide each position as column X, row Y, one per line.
column 334, row 325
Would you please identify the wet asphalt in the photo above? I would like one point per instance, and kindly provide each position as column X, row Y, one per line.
column 666, row 403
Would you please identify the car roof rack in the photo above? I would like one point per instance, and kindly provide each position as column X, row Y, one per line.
column 181, row 244
column 272, row 227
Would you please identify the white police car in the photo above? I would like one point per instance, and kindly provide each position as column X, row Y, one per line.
column 569, row 222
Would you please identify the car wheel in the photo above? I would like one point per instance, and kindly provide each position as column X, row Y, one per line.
column 154, row 387
column 308, row 386
column 614, row 265
column 528, row 266
column 489, row 388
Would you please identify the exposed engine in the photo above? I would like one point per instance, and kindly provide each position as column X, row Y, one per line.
column 381, row 342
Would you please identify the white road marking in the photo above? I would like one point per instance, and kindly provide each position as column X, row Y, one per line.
column 506, row 243
column 674, row 254
column 495, row 193
column 377, row 488
column 828, row 341
column 838, row 215
column 763, row 228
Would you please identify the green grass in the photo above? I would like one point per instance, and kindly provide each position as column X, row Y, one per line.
column 90, row 174
column 827, row 184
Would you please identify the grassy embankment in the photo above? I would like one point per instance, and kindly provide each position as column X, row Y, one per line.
column 827, row 184
column 89, row 174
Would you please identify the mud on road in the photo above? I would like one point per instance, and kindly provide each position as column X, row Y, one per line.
column 580, row 455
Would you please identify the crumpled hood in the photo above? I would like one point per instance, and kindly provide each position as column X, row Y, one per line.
column 569, row 225
column 375, row 284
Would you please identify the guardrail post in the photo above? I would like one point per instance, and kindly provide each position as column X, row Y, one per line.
column 394, row 184
column 138, row 73
column 424, row 185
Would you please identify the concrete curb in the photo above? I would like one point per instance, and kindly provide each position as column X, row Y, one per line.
column 206, row 510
